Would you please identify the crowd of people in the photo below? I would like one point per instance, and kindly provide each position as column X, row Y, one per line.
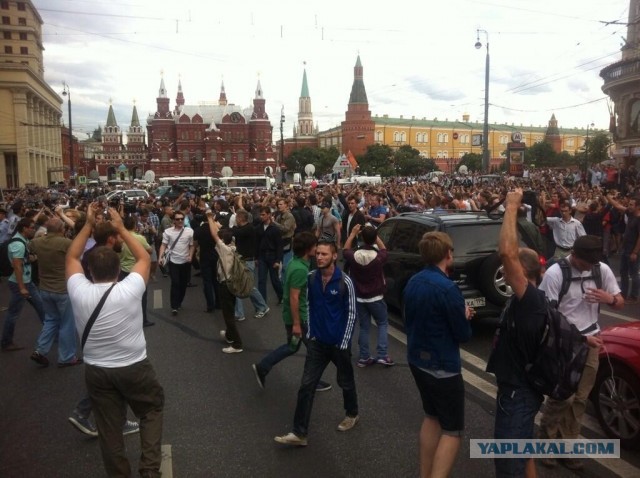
column 74, row 256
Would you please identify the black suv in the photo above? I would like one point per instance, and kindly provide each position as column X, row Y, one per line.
column 477, row 268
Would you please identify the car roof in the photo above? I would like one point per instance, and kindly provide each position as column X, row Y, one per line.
column 448, row 217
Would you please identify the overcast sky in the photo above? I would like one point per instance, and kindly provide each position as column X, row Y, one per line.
column 418, row 56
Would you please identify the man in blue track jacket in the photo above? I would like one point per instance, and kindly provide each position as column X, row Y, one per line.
column 332, row 316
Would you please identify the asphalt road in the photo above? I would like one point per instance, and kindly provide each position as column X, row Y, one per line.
column 218, row 423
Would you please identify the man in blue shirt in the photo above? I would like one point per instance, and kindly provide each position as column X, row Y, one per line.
column 436, row 323
column 20, row 284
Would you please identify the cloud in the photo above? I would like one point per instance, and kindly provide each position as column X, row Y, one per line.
column 425, row 87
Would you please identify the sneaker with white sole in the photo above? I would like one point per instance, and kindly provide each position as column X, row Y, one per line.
column 223, row 335
column 83, row 424
column 260, row 315
column 231, row 350
column 260, row 376
column 291, row 439
column 323, row 386
column 386, row 361
column 130, row 427
column 240, row 319
column 348, row 423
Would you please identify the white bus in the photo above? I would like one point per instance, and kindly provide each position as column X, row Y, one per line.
column 205, row 182
column 249, row 182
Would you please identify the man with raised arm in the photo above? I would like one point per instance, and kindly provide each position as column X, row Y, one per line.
column 117, row 370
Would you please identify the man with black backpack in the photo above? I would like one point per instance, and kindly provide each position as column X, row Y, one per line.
column 517, row 342
column 579, row 285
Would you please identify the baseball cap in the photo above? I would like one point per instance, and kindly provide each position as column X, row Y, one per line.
column 588, row 248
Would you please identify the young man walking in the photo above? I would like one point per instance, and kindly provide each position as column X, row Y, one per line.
column 332, row 315
column 178, row 241
column 295, row 311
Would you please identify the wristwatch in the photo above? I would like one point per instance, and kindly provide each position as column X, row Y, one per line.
column 614, row 301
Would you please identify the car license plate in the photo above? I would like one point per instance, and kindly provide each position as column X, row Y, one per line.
column 476, row 302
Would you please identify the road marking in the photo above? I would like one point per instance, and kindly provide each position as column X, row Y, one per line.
column 620, row 467
column 157, row 298
column 618, row 316
column 166, row 466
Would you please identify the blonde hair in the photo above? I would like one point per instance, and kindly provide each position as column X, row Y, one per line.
column 434, row 247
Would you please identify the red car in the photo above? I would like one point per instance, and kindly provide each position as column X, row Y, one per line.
column 616, row 393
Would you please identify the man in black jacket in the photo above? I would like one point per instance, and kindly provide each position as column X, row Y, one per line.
column 269, row 254
column 350, row 217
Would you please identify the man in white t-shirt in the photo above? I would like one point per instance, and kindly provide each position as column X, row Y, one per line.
column 580, row 305
column 117, row 371
column 178, row 240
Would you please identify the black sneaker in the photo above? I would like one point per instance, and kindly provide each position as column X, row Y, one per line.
column 260, row 377
column 40, row 359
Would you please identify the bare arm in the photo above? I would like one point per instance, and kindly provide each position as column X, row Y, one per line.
column 352, row 236
column 508, row 245
column 140, row 254
column 74, row 253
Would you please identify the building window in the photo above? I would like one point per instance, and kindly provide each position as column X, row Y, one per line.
column 22, row 21
column 464, row 139
column 570, row 143
column 443, row 137
column 163, row 155
column 4, row 5
column 21, row 6
column 227, row 155
column 6, row 35
column 23, row 36
column 403, row 137
column 240, row 155
column 8, row 50
column 396, row 137
column 6, row 21
column 24, row 50
column 379, row 137
column 504, row 139
column 185, row 155
column 213, row 155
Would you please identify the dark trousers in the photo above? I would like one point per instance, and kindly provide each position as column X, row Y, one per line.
column 179, row 274
column 318, row 357
column 110, row 390
column 208, row 275
column 228, row 302
column 264, row 268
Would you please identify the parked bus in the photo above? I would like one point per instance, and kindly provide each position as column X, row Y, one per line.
column 249, row 182
column 204, row 182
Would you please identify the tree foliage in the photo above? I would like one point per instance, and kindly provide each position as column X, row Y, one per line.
column 322, row 159
column 541, row 155
column 473, row 162
column 597, row 148
column 377, row 160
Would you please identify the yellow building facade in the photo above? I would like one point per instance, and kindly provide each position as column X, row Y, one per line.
column 30, row 139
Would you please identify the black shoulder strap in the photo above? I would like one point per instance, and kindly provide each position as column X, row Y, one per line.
column 94, row 315
column 565, row 267
column 173, row 244
column 596, row 273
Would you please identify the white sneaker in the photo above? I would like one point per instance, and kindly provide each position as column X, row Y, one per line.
column 291, row 439
column 231, row 350
column 348, row 423
column 260, row 315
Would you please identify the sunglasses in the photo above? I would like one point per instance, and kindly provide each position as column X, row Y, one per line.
column 178, row 218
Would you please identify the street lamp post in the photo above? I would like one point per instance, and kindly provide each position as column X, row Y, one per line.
column 66, row 92
column 586, row 151
column 282, row 143
column 485, row 129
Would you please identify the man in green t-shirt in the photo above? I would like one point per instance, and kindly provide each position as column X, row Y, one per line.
column 294, row 308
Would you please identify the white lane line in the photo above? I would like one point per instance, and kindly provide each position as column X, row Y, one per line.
column 620, row 467
column 619, row 316
column 157, row 298
column 166, row 466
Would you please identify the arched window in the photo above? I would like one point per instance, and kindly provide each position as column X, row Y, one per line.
column 213, row 155
column 227, row 155
column 403, row 137
column 379, row 137
column 185, row 155
column 396, row 137
column 240, row 156
column 163, row 155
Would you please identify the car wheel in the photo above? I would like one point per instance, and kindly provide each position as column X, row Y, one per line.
column 492, row 280
column 617, row 403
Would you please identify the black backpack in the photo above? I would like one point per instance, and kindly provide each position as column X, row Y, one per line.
column 559, row 362
column 6, row 267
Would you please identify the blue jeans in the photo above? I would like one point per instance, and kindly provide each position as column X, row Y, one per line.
column 264, row 268
column 377, row 310
column 288, row 256
column 629, row 270
column 256, row 298
column 58, row 322
column 16, row 302
column 318, row 357
column 282, row 352
column 515, row 413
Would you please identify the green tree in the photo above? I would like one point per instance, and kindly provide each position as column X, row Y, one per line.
column 541, row 155
column 597, row 148
column 473, row 162
column 377, row 160
column 322, row 158
column 408, row 162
